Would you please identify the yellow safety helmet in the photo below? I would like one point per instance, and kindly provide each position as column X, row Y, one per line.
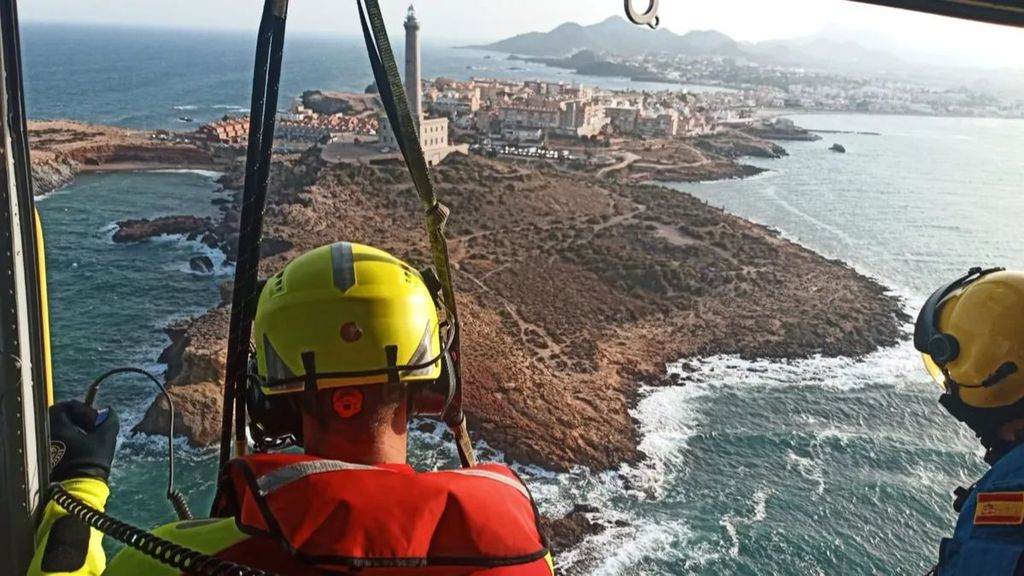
column 346, row 315
column 971, row 335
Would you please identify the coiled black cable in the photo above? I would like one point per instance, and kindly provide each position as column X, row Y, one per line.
column 177, row 499
column 164, row 551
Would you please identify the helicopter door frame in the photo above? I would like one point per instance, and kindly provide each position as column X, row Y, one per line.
column 24, row 395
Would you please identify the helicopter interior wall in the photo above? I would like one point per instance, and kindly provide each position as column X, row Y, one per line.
column 1004, row 12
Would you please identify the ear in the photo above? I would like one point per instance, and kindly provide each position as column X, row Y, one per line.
column 432, row 398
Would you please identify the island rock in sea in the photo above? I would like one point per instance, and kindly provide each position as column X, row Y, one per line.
column 144, row 228
column 573, row 290
column 202, row 264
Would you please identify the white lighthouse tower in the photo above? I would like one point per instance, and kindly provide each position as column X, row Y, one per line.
column 413, row 80
column 433, row 132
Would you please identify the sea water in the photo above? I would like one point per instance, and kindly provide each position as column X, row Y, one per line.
column 818, row 466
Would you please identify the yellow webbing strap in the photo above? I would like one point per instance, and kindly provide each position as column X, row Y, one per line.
column 44, row 308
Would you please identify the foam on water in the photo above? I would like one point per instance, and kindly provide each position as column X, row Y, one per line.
column 809, row 468
column 621, row 550
column 211, row 174
column 766, row 175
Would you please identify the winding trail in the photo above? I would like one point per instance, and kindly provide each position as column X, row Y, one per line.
column 627, row 159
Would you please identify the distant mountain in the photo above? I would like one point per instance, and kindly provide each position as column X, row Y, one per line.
column 617, row 35
column 821, row 52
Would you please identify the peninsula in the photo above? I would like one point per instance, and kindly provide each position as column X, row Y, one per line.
column 575, row 290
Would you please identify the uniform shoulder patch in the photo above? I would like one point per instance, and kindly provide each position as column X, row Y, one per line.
column 999, row 508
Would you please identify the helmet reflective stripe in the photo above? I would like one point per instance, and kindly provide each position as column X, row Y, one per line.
column 276, row 368
column 423, row 353
column 343, row 266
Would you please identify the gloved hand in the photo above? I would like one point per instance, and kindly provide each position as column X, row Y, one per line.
column 82, row 441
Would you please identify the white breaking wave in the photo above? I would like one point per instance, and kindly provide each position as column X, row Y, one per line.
column 211, row 174
column 809, row 468
column 900, row 364
column 619, row 549
column 186, row 107
column 668, row 418
column 230, row 107
column 221, row 266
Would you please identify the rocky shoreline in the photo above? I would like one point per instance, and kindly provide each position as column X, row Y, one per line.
column 574, row 290
column 61, row 149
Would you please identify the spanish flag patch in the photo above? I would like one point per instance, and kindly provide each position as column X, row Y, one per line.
column 999, row 508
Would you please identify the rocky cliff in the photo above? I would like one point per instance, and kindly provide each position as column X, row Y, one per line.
column 60, row 149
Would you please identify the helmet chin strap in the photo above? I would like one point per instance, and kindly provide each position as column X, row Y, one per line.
column 986, row 422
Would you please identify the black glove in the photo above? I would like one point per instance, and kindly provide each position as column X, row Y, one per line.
column 82, row 441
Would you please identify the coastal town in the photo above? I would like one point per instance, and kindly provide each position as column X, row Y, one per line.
column 640, row 134
column 594, row 129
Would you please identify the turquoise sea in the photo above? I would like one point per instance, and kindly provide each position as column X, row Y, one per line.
column 821, row 466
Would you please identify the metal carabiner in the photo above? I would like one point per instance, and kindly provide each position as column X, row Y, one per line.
column 648, row 17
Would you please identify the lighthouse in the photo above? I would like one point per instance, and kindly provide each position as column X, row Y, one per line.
column 413, row 83
column 432, row 132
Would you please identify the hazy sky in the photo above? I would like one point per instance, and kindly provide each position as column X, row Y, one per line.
column 955, row 42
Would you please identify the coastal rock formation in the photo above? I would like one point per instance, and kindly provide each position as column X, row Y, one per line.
column 202, row 264
column 780, row 129
column 704, row 158
column 144, row 228
column 197, row 409
column 62, row 148
column 734, row 144
column 573, row 290
column 195, row 368
column 329, row 103
column 52, row 172
column 565, row 532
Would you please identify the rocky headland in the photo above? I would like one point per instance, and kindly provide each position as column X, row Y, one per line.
column 574, row 289
column 779, row 129
column 61, row 149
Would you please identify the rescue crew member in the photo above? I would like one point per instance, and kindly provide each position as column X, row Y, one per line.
column 971, row 335
column 348, row 347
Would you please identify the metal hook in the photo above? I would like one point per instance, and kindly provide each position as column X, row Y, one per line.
column 648, row 17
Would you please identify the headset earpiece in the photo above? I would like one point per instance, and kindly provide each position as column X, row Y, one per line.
column 274, row 422
column 943, row 348
column 434, row 397
column 928, row 338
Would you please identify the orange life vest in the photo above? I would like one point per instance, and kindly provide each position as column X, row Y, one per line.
column 385, row 519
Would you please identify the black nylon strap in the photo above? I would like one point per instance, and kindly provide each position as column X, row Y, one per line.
column 262, row 115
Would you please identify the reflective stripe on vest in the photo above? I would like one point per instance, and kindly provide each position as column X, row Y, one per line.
column 271, row 481
column 494, row 476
